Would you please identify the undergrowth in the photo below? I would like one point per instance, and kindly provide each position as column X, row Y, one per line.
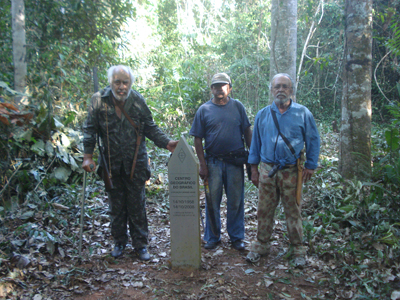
column 355, row 225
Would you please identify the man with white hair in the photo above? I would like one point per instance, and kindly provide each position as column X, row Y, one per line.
column 280, row 132
column 120, row 116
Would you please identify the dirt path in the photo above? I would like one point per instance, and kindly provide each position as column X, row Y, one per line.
column 43, row 270
column 224, row 273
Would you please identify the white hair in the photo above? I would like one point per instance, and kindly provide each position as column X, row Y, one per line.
column 286, row 75
column 113, row 69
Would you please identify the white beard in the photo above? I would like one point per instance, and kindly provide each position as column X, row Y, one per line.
column 281, row 100
column 121, row 98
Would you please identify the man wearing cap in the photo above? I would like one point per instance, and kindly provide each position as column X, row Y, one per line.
column 223, row 124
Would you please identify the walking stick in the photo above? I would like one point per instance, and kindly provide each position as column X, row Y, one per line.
column 83, row 210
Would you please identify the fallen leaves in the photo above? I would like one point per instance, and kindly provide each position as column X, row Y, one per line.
column 60, row 206
column 45, row 241
column 395, row 295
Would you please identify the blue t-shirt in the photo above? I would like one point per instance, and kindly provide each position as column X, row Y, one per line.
column 297, row 124
column 222, row 126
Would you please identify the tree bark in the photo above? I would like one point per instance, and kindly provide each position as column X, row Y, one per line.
column 355, row 143
column 283, row 38
column 19, row 46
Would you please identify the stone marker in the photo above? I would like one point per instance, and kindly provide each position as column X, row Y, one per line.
column 183, row 175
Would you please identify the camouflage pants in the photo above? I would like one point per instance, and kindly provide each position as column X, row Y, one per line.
column 280, row 187
column 127, row 205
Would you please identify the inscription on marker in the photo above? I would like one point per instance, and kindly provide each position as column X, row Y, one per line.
column 183, row 176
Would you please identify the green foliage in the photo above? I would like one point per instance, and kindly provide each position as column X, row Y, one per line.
column 175, row 103
column 394, row 43
column 65, row 39
column 319, row 86
column 385, row 52
column 388, row 160
column 6, row 62
column 355, row 223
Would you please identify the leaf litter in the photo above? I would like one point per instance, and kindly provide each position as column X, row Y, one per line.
column 39, row 250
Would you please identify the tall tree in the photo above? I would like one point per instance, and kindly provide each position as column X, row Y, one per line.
column 355, row 144
column 19, row 46
column 283, row 37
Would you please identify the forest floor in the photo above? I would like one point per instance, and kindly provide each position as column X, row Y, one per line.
column 39, row 257
column 224, row 273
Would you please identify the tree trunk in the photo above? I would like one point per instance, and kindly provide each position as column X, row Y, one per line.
column 257, row 93
column 19, row 46
column 283, row 37
column 355, row 143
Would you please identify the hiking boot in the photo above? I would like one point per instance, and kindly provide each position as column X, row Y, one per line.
column 253, row 257
column 299, row 261
column 143, row 254
column 118, row 249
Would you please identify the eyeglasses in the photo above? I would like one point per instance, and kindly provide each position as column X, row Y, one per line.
column 283, row 86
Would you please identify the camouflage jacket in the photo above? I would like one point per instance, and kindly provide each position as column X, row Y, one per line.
column 122, row 136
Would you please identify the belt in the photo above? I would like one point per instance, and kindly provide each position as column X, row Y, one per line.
column 285, row 167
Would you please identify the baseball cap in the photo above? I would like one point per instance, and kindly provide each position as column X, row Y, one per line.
column 221, row 78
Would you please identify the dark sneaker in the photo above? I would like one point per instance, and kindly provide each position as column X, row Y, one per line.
column 238, row 245
column 143, row 254
column 211, row 245
column 118, row 249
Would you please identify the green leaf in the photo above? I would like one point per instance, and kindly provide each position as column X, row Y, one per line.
column 74, row 166
column 50, row 246
column 61, row 174
column 63, row 71
column 335, row 226
column 392, row 138
column 38, row 148
column 49, row 149
column 347, row 208
column 27, row 215
column 11, row 91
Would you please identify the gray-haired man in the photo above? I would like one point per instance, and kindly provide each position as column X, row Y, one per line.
column 107, row 119
column 281, row 130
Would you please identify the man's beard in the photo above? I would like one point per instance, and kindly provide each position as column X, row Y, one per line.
column 121, row 98
column 281, row 100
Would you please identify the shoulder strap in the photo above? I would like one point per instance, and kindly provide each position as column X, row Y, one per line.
column 280, row 133
column 139, row 134
column 125, row 114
